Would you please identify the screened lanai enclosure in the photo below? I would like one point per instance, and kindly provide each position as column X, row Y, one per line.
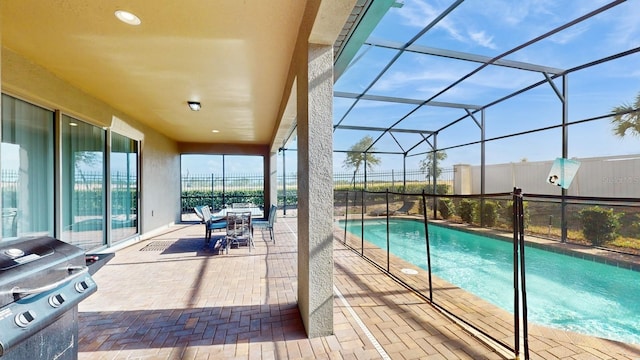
column 485, row 97
column 496, row 94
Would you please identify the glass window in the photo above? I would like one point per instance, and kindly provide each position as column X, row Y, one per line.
column 221, row 181
column 27, row 169
column 243, row 180
column 83, row 174
column 124, row 187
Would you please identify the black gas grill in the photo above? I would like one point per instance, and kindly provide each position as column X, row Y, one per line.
column 42, row 280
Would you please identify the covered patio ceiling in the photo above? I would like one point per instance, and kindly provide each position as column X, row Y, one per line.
column 234, row 57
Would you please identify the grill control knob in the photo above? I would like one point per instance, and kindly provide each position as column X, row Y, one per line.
column 25, row 318
column 56, row 300
column 82, row 286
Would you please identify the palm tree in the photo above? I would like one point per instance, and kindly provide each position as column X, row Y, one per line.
column 626, row 119
column 357, row 156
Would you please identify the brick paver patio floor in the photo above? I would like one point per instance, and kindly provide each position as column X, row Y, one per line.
column 169, row 297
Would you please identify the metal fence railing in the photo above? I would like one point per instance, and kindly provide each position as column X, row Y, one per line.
column 474, row 238
column 392, row 179
column 88, row 188
column 218, row 190
column 221, row 190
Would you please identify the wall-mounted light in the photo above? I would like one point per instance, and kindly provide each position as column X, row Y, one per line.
column 194, row 105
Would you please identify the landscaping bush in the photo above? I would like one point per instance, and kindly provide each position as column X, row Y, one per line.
column 411, row 188
column 467, row 210
column 506, row 214
column 191, row 198
column 489, row 213
column 446, row 208
column 599, row 225
column 630, row 224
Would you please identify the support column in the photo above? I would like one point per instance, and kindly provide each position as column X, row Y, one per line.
column 1, row 205
column 462, row 181
column 272, row 167
column 315, row 190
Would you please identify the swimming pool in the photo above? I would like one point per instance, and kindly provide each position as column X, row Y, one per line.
column 562, row 291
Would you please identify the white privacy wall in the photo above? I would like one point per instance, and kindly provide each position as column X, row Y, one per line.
column 616, row 176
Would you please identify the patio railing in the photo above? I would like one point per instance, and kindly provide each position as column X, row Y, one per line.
column 366, row 223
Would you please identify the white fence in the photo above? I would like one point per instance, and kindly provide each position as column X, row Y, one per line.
column 615, row 176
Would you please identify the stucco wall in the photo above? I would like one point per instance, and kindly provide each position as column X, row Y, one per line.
column 160, row 182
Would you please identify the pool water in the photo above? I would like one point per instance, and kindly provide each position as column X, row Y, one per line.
column 562, row 291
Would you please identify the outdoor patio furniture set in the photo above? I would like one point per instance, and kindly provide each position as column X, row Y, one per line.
column 238, row 222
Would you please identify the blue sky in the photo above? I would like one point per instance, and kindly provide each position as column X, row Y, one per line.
column 490, row 28
column 207, row 164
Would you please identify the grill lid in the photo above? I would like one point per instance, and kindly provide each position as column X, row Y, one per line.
column 21, row 254
column 35, row 262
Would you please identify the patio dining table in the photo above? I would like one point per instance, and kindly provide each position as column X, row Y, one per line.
column 255, row 212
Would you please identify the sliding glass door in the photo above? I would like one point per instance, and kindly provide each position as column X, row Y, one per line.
column 27, row 164
column 83, row 179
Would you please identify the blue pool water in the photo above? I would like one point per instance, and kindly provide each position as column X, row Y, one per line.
column 562, row 291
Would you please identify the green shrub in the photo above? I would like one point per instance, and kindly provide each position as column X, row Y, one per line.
column 191, row 198
column 599, row 225
column 446, row 208
column 420, row 208
column 411, row 188
column 630, row 224
column 506, row 214
column 467, row 210
column 489, row 213
column 441, row 189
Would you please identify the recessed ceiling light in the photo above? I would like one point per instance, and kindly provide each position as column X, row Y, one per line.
column 215, row 131
column 127, row 17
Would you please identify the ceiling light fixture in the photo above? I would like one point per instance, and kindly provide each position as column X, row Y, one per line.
column 215, row 131
column 127, row 17
column 194, row 105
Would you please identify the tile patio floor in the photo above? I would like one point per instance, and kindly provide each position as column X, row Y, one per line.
column 169, row 298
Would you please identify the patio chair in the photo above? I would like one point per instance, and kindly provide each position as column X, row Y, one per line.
column 406, row 207
column 198, row 211
column 210, row 223
column 238, row 227
column 267, row 224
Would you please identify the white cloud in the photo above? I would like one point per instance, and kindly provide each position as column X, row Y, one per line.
column 417, row 13
column 516, row 12
column 420, row 13
column 482, row 39
column 626, row 27
column 566, row 36
column 398, row 79
column 435, row 77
